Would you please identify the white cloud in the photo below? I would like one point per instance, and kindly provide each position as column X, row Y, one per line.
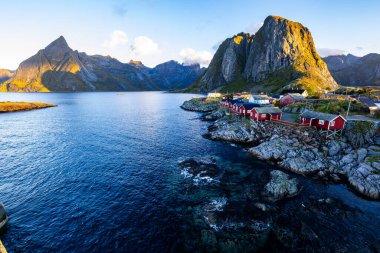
column 118, row 38
column 323, row 52
column 143, row 45
column 191, row 56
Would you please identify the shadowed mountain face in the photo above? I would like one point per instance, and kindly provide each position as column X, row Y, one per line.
column 281, row 54
column 350, row 70
column 59, row 68
column 172, row 75
column 5, row 74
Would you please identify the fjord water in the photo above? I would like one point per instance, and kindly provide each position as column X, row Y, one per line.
column 99, row 173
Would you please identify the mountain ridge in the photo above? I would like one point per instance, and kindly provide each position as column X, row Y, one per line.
column 351, row 70
column 57, row 67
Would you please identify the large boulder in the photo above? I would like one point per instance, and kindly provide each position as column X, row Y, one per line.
column 199, row 105
column 274, row 149
column 359, row 133
column 215, row 115
column 366, row 180
column 362, row 153
column 280, row 186
column 233, row 130
column 333, row 148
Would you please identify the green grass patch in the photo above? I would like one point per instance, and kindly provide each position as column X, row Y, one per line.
column 373, row 159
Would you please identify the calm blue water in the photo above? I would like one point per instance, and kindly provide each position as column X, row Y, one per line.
column 98, row 172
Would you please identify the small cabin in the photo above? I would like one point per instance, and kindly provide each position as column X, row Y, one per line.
column 224, row 102
column 299, row 92
column 259, row 99
column 265, row 113
column 236, row 106
column 245, row 109
column 214, row 95
column 232, row 102
column 291, row 99
column 323, row 121
column 372, row 105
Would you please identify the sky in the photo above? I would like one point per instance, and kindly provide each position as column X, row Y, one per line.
column 189, row 31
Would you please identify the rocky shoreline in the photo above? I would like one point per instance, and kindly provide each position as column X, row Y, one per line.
column 353, row 158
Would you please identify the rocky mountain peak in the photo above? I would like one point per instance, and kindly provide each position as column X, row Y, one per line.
column 280, row 55
column 59, row 44
column 56, row 51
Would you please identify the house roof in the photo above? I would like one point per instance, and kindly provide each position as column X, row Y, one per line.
column 260, row 97
column 299, row 91
column 269, row 110
column 276, row 96
column 319, row 115
column 296, row 96
column 249, row 106
column 233, row 101
column 367, row 101
column 239, row 104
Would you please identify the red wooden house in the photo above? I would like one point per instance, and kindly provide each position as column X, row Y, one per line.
column 245, row 109
column 265, row 113
column 224, row 102
column 236, row 106
column 231, row 103
column 291, row 99
column 323, row 121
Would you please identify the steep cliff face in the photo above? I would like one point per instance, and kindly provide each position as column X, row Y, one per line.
column 229, row 61
column 5, row 74
column 59, row 68
column 281, row 54
column 350, row 70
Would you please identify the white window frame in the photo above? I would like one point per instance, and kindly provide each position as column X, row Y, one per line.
column 321, row 122
column 263, row 115
column 332, row 123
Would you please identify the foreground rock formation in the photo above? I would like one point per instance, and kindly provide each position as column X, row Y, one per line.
column 198, row 105
column 354, row 157
column 22, row 106
column 282, row 52
column 280, row 186
column 240, row 209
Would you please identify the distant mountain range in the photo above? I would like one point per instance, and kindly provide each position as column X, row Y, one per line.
column 280, row 55
column 59, row 68
column 350, row 70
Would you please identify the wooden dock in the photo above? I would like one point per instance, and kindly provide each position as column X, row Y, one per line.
column 2, row 248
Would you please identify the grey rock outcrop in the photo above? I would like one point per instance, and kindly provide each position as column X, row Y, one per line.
column 280, row 186
column 198, row 105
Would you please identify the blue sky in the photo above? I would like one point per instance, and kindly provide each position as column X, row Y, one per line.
column 155, row 31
